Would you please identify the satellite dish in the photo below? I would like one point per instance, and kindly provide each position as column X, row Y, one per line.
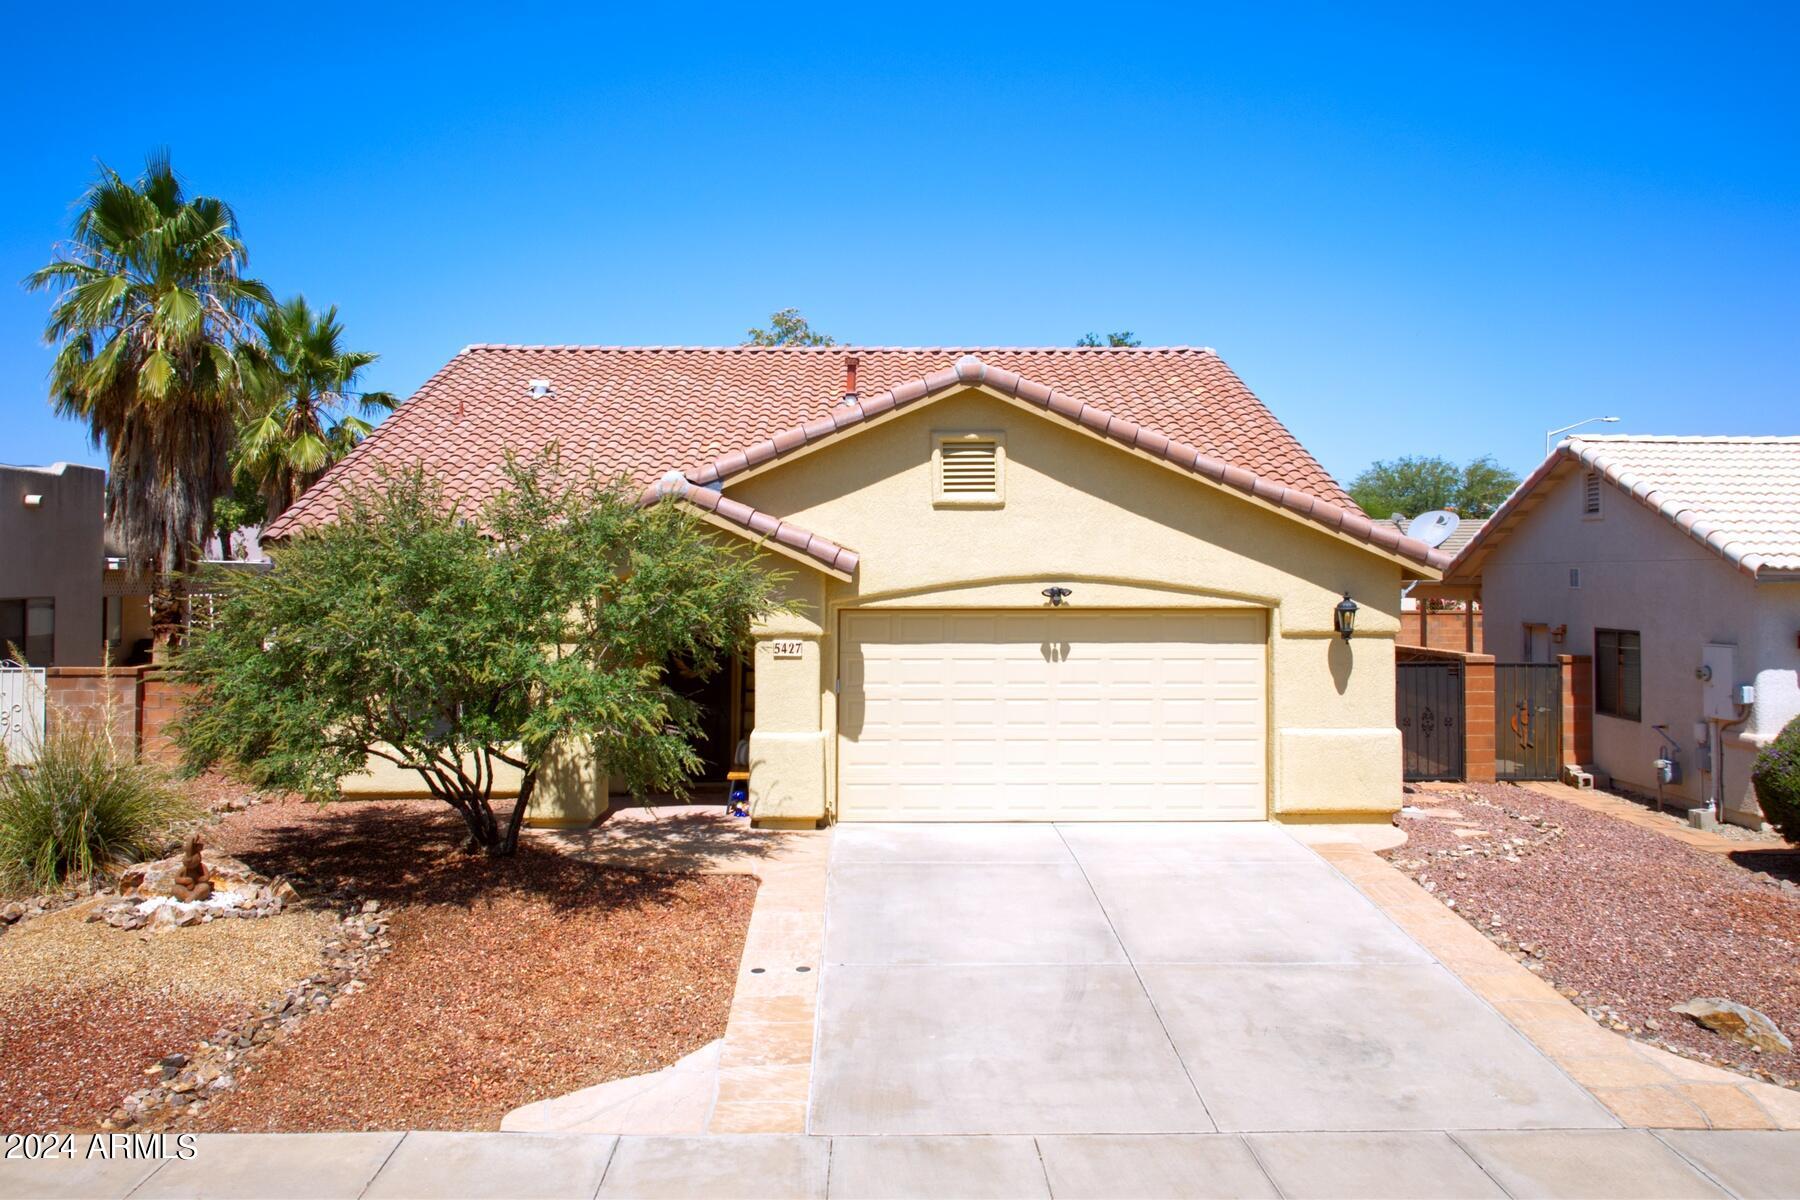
column 1433, row 528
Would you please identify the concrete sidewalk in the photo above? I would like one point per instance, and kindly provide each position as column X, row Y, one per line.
column 1519, row 1163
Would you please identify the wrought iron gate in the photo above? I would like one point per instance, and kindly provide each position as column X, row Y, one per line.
column 1527, row 720
column 21, row 712
column 1431, row 719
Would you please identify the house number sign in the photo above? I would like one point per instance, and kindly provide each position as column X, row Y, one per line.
column 787, row 649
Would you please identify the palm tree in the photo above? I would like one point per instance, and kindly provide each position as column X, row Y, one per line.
column 298, row 396
column 151, row 305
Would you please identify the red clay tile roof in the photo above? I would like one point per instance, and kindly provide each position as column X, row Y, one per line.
column 638, row 411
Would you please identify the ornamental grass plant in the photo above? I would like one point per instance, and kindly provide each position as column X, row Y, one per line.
column 80, row 805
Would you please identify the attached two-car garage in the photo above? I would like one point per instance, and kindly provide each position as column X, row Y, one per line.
column 1052, row 714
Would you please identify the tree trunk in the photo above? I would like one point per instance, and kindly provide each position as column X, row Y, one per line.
column 510, row 842
column 167, row 616
column 481, row 836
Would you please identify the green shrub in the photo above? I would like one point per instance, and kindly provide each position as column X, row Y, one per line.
column 79, row 808
column 1777, row 780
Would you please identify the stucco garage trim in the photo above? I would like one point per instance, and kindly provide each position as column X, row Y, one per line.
column 1419, row 560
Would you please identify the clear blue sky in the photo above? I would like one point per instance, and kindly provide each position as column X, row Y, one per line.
column 1410, row 231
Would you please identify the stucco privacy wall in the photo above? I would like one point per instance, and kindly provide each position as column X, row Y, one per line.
column 1120, row 531
column 1639, row 572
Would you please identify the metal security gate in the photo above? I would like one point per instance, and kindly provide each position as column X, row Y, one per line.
column 21, row 712
column 1430, row 696
column 1527, row 720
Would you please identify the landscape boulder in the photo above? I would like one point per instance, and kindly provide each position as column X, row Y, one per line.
column 153, row 895
column 144, row 880
column 1738, row 1022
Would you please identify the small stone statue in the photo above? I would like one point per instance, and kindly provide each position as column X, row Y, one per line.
column 192, row 884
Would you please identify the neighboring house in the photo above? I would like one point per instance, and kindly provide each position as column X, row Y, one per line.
column 128, row 635
column 65, row 600
column 1449, row 624
column 50, row 606
column 1675, row 563
column 1036, row 584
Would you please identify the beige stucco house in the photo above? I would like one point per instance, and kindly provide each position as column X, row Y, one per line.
column 1033, row 584
column 1675, row 563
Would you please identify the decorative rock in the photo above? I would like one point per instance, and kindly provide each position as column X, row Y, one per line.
column 1739, row 1022
column 150, row 895
column 186, row 1083
column 157, row 878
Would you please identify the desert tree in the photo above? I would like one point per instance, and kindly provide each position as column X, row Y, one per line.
column 453, row 643
column 788, row 328
column 1414, row 484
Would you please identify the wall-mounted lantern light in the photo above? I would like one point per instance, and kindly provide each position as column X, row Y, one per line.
column 1343, row 618
column 1057, row 595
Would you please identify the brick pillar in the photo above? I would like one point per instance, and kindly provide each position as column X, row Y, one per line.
column 1577, row 709
column 1478, row 718
column 163, row 701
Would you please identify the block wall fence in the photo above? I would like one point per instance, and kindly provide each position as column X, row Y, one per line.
column 135, row 704
column 1440, row 630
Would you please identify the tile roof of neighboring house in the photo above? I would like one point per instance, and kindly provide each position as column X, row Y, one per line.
column 1462, row 535
column 638, row 411
column 1737, row 496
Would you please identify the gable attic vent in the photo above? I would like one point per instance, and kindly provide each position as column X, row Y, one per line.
column 1590, row 494
column 970, row 468
column 539, row 388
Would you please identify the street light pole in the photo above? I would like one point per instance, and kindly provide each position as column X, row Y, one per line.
column 1550, row 434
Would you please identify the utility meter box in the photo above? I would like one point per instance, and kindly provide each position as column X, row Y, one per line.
column 1718, row 682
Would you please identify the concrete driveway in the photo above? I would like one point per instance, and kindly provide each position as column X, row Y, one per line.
column 1144, row 978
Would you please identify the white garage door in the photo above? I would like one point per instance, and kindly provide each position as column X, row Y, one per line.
column 1058, row 715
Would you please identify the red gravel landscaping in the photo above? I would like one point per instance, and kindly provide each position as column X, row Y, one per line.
column 69, row 1056
column 1619, row 918
column 510, row 980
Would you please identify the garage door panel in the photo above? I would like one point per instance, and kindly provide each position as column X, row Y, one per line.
column 1041, row 716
